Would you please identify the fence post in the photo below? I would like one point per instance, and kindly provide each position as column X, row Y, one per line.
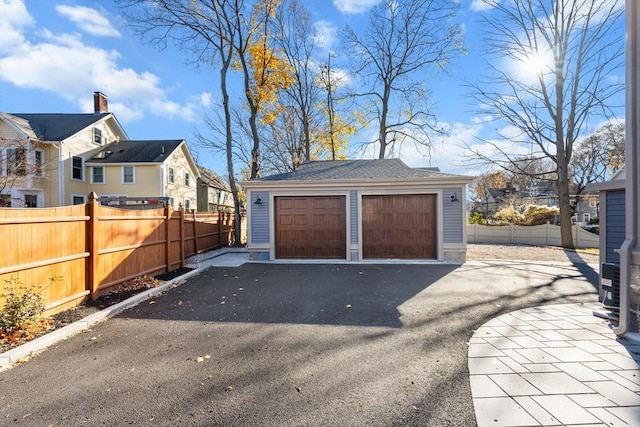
column 220, row 229
column 93, row 245
column 167, row 235
column 195, row 232
column 181, row 209
column 547, row 236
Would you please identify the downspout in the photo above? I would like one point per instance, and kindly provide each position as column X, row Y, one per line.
column 632, row 162
column 58, row 145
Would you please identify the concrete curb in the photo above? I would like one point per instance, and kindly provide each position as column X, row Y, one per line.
column 26, row 350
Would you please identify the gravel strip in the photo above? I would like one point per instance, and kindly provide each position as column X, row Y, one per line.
column 530, row 253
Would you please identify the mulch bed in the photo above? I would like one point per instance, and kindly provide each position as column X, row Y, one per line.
column 121, row 293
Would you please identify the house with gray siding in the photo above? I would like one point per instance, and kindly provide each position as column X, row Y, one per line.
column 357, row 210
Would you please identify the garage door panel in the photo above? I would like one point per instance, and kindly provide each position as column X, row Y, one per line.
column 319, row 228
column 399, row 226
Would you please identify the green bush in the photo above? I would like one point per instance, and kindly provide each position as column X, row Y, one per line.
column 23, row 307
column 477, row 218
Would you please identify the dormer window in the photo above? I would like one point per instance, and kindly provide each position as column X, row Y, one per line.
column 97, row 136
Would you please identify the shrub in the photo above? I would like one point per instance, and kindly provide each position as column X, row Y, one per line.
column 477, row 218
column 538, row 215
column 508, row 215
column 21, row 314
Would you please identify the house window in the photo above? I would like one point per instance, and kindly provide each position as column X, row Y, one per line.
column 172, row 177
column 171, row 203
column 77, row 199
column 30, row 201
column 586, row 217
column 16, row 161
column 593, row 203
column 39, row 163
column 97, row 175
column 77, row 168
column 128, row 175
column 187, row 205
column 5, row 200
column 97, row 136
column 186, row 179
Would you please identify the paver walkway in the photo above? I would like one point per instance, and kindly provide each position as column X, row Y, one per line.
column 553, row 365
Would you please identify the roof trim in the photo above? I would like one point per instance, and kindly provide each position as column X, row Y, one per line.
column 618, row 184
column 7, row 118
column 103, row 119
column 194, row 166
column 124, row 164
column 352, row 183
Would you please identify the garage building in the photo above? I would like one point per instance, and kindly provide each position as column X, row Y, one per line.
column 357, row 210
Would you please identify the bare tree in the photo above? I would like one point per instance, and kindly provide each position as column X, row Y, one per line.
column 547, row 105
column 208, row 28
column 597, row 156
column 404, row 44
column 24, row 165
column 296, row 40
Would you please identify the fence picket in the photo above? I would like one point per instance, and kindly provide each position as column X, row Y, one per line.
column 109, row 246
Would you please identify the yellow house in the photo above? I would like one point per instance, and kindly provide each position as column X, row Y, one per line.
column 42, row 155
column 145, row 169
column 57, row 159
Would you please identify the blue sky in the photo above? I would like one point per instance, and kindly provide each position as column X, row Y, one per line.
column 55, row 53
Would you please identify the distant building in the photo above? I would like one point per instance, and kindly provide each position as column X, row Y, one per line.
column 57, row 159
column 214, row 193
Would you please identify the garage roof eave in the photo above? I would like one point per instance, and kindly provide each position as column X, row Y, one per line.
column 351, row 183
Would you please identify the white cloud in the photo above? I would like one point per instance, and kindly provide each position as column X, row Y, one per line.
column 206, row 99
column 448, row 152
column 65, row 65
column 354, row 6
column 451, row 153
column 89, row 20
column 482, row 5
column 326, row 34
column 13, row 19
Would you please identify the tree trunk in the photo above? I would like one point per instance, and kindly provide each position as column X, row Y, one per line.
column 564, row 202
column 229, row 148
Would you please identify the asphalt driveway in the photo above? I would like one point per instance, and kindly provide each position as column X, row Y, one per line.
column 287, row 345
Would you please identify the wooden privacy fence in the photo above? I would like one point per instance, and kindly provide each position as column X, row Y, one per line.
column 547, row 234
column 93, row 248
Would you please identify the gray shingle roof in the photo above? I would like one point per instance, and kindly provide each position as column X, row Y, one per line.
column 58, row 126
column 155, row 151
column 380, row 169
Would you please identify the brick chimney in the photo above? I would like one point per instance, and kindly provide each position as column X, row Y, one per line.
column 100, row 103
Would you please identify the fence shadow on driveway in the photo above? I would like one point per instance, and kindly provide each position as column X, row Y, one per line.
column 315, row 294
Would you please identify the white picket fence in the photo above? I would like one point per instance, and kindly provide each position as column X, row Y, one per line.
column 547, row 234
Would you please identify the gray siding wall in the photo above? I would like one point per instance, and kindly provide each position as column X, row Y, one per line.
column 615, row 224
column 452, row 216
column 353, row 216
column 260, row 217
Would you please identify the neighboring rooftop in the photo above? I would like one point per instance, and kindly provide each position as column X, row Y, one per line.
column 213, row 180
column 55, row 126
column 142, row 151
column 379, row 169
